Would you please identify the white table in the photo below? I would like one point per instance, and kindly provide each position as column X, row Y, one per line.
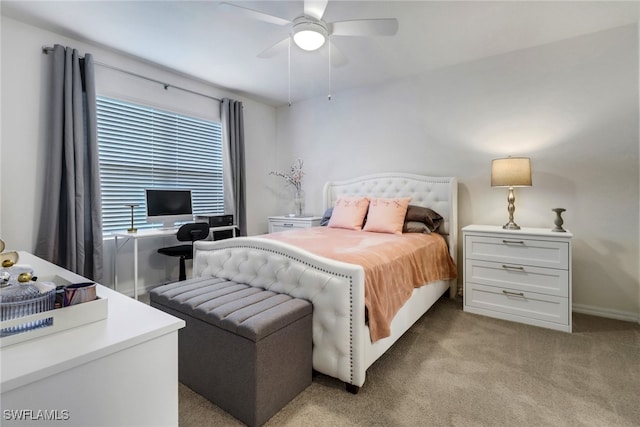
column 148, row 234
column 122, row 370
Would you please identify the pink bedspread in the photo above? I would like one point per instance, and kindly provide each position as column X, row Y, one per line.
column 394, row 264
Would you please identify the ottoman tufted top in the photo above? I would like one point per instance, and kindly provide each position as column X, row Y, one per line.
column 244, row 310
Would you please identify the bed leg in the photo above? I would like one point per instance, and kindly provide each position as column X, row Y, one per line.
column 353, row 389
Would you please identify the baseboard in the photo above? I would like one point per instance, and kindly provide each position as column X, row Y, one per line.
column 627, row 316
column 141, row 289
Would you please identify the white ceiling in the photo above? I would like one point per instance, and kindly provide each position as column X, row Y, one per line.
column 213, row 43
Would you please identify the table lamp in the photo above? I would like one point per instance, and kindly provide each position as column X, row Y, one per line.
column 511, row 172
column 132, row 229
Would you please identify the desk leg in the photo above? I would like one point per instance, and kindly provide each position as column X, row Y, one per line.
column 135, row 268
column 115, row 264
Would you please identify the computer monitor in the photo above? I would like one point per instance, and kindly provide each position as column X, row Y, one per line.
column 168, row 206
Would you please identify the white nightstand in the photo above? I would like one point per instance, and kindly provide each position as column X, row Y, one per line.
column 282, row 223
column 520, row 275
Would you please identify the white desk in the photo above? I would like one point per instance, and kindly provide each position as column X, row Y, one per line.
column 148, row 234
column 122, row 370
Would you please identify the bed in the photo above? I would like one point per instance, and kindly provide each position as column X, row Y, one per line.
column 342, row 342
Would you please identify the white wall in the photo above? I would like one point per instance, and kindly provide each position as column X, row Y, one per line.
column 25, row 71
column 571, row 106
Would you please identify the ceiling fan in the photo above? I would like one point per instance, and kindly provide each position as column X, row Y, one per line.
column 310, row 32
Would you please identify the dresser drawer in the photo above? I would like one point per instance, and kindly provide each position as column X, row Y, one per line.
column 518, row 251
column 515, row 304
column 526, row 278
column 275, row 226
column 283, row 223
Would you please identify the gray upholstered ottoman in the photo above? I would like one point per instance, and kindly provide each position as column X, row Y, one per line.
column 245, row 349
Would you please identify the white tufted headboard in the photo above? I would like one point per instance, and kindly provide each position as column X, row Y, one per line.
column 437, row 193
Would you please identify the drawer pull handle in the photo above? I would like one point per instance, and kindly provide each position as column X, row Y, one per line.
column 287, row 225
column 512, row 267
column 513, row 242
column 517, row 294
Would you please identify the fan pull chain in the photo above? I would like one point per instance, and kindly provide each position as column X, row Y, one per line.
column 329, row 96
column 289, row 70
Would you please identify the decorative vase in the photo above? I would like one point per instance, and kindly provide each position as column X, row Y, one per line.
column 298, row 202
column 559, row 221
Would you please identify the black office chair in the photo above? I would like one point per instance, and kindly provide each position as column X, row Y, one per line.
column 186, row 233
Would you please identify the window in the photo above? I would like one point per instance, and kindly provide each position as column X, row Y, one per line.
column 142, row 147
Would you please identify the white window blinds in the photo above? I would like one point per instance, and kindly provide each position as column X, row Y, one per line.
column 142, row 147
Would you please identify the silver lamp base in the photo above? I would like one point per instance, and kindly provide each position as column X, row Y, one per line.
column 511, row 208
column 511, row 226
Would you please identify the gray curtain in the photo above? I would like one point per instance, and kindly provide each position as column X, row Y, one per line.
column 70, row 233
column 233, row 161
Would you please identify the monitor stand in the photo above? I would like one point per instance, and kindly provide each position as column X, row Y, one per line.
column 169, row 225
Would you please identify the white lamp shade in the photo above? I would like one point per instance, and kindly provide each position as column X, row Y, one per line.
column 511, row 172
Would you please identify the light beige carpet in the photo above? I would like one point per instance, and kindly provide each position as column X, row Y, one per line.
column 458, row 369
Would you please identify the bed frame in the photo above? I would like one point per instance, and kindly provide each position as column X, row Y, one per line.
column 341, row 344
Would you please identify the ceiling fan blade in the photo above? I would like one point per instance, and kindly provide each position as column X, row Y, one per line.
column 261, row 16
column 315, row 8
column 337, row 57
column 275, row 49
column 365, row 27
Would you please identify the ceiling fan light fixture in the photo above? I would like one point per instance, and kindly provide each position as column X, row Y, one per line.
column 309, row 35
column 308, row 40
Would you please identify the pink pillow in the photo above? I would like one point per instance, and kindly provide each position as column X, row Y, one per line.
column 387, row 215
column 349, row 212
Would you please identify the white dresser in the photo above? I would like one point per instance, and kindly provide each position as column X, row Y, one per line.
column 520, row 275
column 282, row 223
column 120, row 371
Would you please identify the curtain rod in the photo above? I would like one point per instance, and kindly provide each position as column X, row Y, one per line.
column 166, row 86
